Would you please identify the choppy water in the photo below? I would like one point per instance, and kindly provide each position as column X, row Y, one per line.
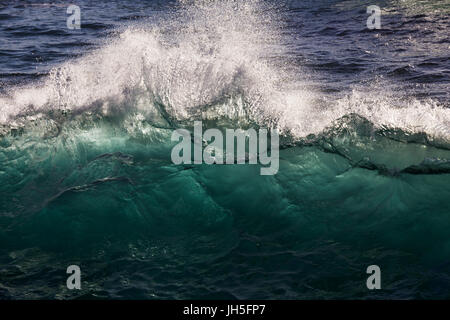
column 86, row 177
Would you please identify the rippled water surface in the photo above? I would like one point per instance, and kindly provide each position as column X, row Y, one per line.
column 86, row 177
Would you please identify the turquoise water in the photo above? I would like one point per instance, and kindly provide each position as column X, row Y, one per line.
column 86, row 176
column 112, row 202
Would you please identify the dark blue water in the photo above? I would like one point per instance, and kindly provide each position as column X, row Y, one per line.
column 86, row 176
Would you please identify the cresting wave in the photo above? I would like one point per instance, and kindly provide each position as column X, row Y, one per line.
column 86, row 175
column 218, row 62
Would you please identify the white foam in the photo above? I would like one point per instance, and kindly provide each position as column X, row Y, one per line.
column 206, row 52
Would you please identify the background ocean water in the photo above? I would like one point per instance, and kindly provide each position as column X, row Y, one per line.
column 86, row 177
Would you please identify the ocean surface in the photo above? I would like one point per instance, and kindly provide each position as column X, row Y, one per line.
column 86, row 177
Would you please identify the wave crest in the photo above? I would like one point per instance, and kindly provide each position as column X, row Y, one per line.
column 212, row 62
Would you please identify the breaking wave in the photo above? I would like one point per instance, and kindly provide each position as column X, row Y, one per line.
column 216, row 62
column 86, row 175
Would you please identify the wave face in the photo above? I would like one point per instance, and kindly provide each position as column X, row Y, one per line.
column 86, row 176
